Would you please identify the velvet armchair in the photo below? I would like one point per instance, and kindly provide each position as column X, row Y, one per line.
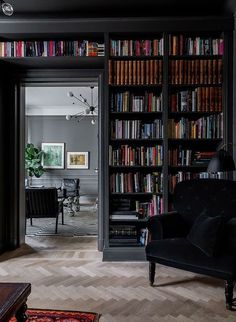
column 200, row 234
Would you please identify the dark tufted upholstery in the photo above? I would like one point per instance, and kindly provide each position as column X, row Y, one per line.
column 211, row 196
column 169, row 246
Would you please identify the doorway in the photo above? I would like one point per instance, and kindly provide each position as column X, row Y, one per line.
column 15, row 90
column 61, row 125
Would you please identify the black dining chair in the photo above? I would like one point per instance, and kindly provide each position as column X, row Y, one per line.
column 43, row 203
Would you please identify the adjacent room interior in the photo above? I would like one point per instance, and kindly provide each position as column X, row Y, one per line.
column 61, row 122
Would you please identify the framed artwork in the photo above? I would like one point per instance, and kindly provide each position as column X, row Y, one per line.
column 53, row 157
column 77, row 160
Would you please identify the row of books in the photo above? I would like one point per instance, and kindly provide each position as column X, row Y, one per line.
column 136, row 182
column 137, row 47
column 121, row 235
column 183, row 157
column 127, row 155
column 196, row 71
column 182, row 45
column 123, row 230
column 51, row 48
column 210, row 127
column 201, row 99
column 135, row 72
column 131, row 102
column 151, row 207
column 136, row 129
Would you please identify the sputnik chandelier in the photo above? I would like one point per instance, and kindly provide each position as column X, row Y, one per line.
column 90, row 109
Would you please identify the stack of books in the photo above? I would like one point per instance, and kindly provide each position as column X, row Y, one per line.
column 124, row 215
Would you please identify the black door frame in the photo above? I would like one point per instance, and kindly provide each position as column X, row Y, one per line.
column 16, row 221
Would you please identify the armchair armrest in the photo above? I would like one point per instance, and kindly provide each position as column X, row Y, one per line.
column 168, row 225
column 230, row 237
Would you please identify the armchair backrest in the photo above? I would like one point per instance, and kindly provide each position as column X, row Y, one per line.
column 71, row 186
column 211, row 196
column 41, row 202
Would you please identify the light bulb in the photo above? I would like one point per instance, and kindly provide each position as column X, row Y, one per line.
column 93, row 122
column 70, row 94
column 68, row 117
column 7, row 9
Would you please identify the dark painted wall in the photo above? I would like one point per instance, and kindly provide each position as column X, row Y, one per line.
column 234, row 93
column 81, row 137
column 2, row 221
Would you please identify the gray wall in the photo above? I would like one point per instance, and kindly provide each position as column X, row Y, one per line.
column 78, row 137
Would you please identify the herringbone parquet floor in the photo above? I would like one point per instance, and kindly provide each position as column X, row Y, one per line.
column 68, row 273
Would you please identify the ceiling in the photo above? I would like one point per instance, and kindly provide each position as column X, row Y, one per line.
column 120, row 8
column 54, row 100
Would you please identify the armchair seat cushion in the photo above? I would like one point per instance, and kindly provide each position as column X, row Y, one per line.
column 180, row 253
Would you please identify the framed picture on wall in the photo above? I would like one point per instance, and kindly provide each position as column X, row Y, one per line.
column 77, row 160
column 54, row 154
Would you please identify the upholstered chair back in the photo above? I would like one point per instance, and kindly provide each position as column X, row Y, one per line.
column 210, row 196
column 41, row 202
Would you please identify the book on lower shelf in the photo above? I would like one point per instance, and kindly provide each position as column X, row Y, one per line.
column 122, row 215
column 127, row 235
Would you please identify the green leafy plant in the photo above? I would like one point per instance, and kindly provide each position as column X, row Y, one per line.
column 33, row 158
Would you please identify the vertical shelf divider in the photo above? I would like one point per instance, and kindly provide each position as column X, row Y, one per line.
column 165, row 94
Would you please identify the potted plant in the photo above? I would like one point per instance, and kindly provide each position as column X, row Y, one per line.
column 33, row 165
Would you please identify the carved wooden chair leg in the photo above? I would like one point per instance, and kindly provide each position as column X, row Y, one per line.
column 21, row 315
column 229, row 291
column 152, row 270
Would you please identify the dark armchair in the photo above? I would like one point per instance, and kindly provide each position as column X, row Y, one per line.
column 43, row 203
column 200, row 235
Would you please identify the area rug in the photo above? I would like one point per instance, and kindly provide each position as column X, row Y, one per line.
column 38, row 315
column 83, row 223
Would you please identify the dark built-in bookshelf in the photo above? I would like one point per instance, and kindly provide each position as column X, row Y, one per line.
column 135, row 79
column 166, row 122
column 165, row 108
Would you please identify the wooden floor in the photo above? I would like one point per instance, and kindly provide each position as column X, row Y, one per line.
column 68, row 273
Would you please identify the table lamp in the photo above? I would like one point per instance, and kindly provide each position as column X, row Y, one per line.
column 221, row 162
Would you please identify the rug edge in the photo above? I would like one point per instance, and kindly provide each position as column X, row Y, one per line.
column 97, row 315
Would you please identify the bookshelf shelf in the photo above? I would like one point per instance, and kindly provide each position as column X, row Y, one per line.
column 194, row 85
column 203, row 141
column 135, row 194
column 135, row 168
column 135, row 57
column 144, row 86
column 192, row 114
column 195, row 56
column 135, row 141
column 71, row 62
column 136, row 115
column 131, row 221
